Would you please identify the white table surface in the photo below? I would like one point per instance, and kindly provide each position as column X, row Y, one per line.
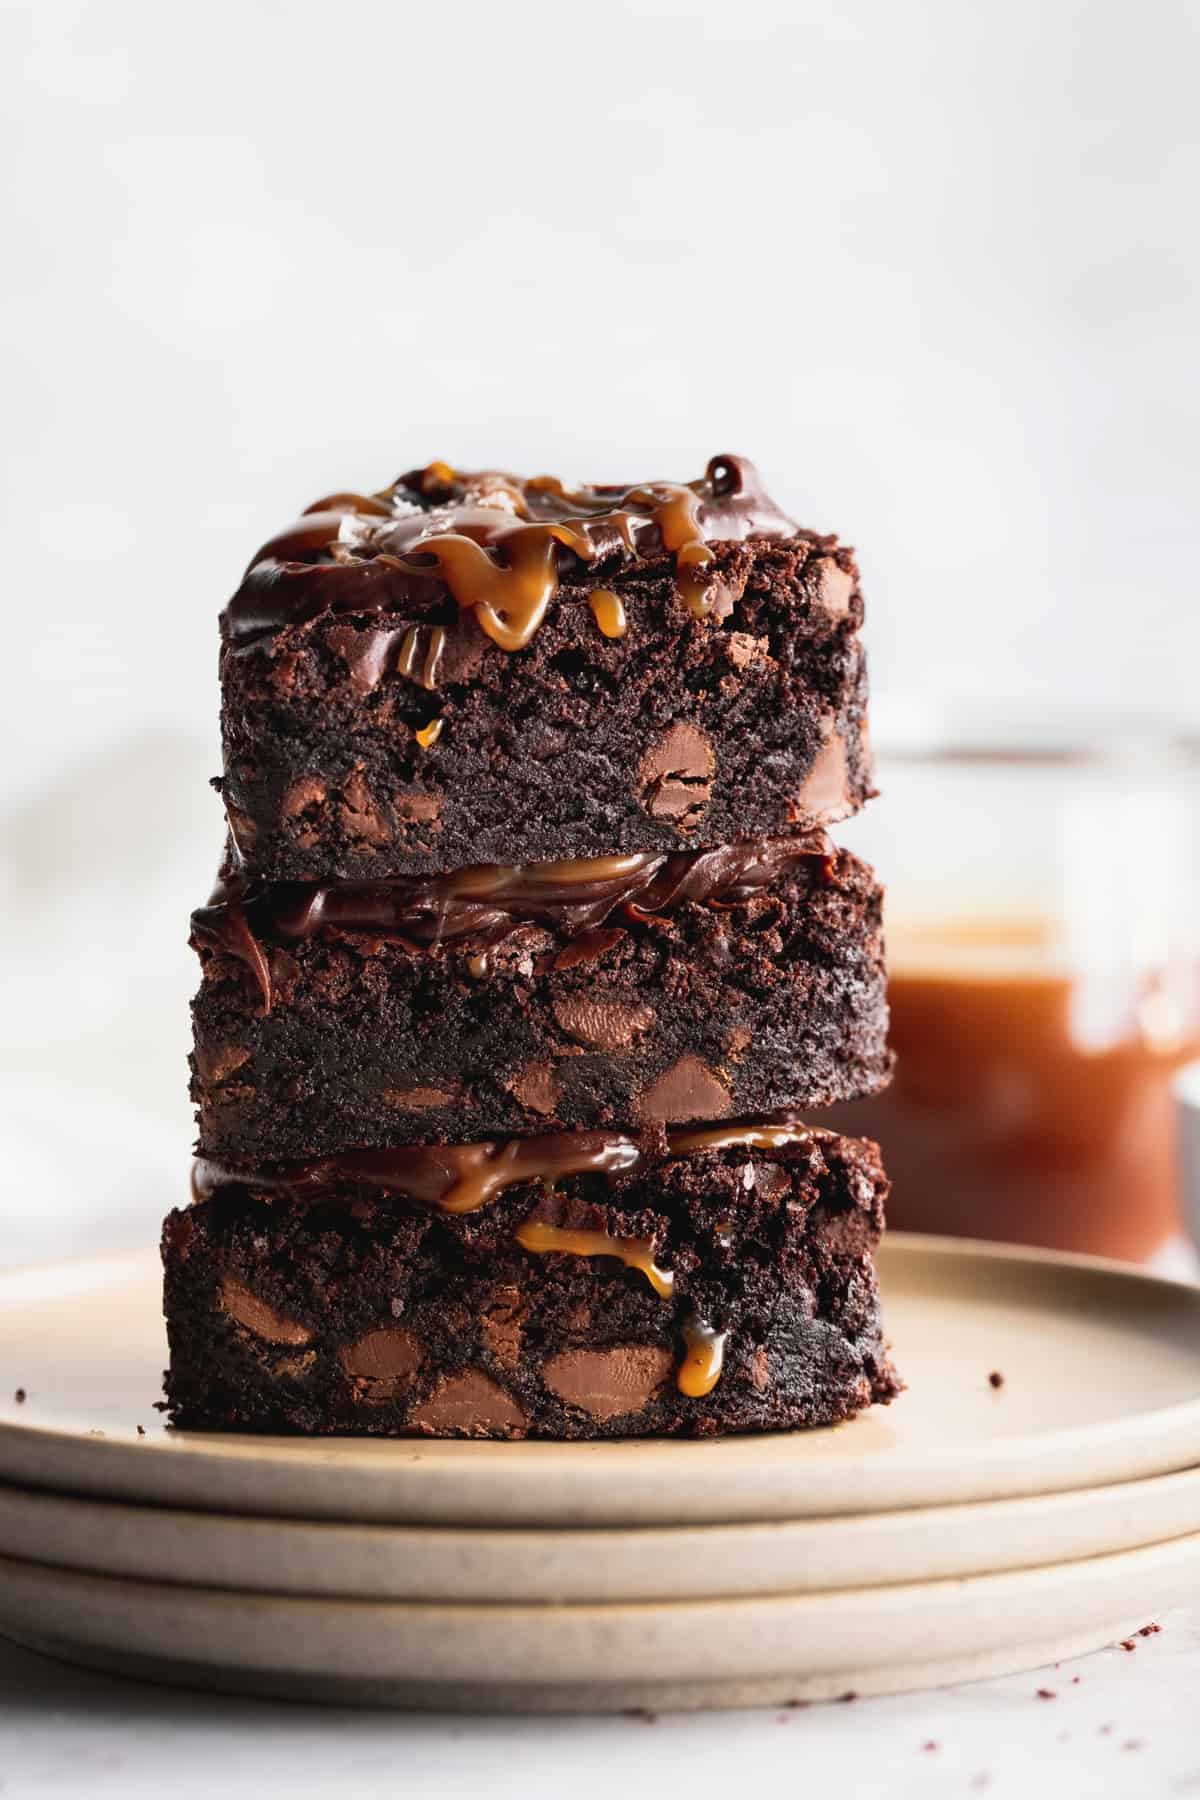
column 1120, row 1723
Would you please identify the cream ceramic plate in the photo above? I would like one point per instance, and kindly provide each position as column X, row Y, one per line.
column 724, row 1652
column 416, row 1563
column 1102, row 1384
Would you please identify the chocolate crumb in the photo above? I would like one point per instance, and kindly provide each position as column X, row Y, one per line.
column 642, row 1713
column 931, row 1744
column 141, row 1431
column 20, row 1396
column 1046, row 1694
column 1075, row 1680
column 1149, row 1630
column 848, row 1696
column 1128, row 1644
column 996, row 1379
column 797, row 1703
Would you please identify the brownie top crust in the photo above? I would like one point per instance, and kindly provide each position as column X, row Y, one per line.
column 502, row 546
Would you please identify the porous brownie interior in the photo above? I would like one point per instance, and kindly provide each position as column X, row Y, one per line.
column 692, row 1289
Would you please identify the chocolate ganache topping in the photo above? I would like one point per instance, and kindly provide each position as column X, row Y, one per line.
column 499, row 545
column 484, row 903
column 460, row 1178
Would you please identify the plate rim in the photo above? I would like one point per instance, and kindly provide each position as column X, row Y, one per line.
column 116, row 1468
column 705, row 1561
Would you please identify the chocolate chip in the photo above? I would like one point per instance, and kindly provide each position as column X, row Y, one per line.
column 688, row 1090
column 825, row 792
column 588, row 947
column 419, row 1099
column 359, row 813
column 471, row 1403
column 835, row 586
column 389, row 1353
column 535, row 1087
column 609, row 1384
column 602, row 1023
column 367, row 651
column 675, row 776
column 247, row 1310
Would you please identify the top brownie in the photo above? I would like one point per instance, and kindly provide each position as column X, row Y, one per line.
column 474, row 668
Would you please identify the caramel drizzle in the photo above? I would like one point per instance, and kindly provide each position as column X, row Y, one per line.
column 510, row 599
column 429, row 734
column 461, row 1178
column 703, row 1359
column 501, row 561
column 410, row 655
column 736, row 1137
column 485, row 880
column 575, row 893
column 485, row 1170
column 608, row 610
column 636, row 1253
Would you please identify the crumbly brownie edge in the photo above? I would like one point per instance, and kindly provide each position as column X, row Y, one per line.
column 359, row 1314
column 685, row 732
column 705, row 1011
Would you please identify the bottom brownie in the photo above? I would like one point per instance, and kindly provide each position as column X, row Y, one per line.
column 689, row 1282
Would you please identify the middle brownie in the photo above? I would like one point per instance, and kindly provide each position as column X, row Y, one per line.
column 508, row 1001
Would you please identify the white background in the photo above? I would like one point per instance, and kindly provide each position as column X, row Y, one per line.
column 934, row 266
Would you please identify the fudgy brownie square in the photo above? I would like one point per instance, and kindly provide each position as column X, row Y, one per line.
column 475, row 668
column 581, row 1286
column 617, row 992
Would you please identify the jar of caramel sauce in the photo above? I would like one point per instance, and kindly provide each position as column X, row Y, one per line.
column 1044, row 981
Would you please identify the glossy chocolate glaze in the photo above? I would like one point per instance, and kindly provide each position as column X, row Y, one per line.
column 498, row 545
column 485, row 903
column 463, row 1177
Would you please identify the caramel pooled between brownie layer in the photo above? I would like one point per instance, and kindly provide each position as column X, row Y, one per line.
column 459, row 1178
column 485, row 903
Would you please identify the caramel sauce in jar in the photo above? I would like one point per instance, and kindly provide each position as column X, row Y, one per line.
column 1016, row 1113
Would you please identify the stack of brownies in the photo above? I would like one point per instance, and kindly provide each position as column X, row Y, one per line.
column 527, row 956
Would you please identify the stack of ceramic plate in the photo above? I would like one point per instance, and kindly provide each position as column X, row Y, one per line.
column 1034, row 1494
